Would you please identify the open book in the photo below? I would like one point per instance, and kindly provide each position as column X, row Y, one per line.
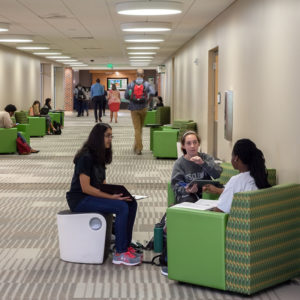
column 201, row 204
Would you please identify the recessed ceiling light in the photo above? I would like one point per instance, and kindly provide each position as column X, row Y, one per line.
column 133, row 57
column 149, row 8
column 141, row 53
column 4, row 26
column 54, row 57
column 143, row 48
column 139, row 60
column 47, row 53
column 13, row 38
column 34, row 47
column 146, row 27
column 142, row 38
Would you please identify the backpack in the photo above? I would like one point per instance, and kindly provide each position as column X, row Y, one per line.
column 22, row 147
column 138, row 93
column 57, row 126
column 44, row 111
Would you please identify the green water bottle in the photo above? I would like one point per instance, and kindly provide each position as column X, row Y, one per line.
column 158, row 237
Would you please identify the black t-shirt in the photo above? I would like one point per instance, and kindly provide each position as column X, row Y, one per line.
column 84, row 165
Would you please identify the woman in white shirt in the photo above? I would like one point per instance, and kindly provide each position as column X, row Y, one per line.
column 250, row 162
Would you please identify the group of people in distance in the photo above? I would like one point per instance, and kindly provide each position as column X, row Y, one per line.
column 85, row 194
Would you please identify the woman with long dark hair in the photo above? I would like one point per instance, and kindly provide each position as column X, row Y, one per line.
column 85, row 194
column 250, row 162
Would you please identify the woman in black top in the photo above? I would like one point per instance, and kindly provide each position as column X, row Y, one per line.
column 85, row 195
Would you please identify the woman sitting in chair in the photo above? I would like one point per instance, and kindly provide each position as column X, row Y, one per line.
column 250, row 162
column 85, row 194
column 192, row 165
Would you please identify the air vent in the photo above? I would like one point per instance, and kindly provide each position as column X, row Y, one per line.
column 82, row 38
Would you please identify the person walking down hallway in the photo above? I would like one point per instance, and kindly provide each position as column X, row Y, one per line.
column 97, row 95
column 137, row 93
column 114, row 100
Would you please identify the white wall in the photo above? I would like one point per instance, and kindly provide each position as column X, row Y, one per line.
column 259, row 46
column 19, row 78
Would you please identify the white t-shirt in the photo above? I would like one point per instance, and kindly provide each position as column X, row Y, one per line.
column 239, row 183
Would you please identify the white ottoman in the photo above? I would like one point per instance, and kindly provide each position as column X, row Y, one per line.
column 84, row 237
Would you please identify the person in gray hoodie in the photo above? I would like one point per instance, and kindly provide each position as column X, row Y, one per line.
column 192, row 165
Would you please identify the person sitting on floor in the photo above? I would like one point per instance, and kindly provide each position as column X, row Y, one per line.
column 6, row 122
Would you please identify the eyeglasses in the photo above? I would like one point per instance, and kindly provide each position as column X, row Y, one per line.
column 109, row 136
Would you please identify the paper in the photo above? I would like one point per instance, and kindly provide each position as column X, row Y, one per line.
column 201, row 204
column 139, row 197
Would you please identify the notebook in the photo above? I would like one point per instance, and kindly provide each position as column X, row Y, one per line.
column 115, row 189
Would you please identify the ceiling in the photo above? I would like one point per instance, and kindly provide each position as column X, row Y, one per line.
column 90, row 30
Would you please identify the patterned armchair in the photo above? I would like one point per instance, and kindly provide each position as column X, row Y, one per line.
column 252, row 248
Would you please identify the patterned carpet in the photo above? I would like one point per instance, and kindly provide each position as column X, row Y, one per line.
column 32, row 192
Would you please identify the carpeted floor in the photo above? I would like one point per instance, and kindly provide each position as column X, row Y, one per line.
column 32, row 192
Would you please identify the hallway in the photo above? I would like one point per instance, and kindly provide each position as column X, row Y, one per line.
column 32, row 192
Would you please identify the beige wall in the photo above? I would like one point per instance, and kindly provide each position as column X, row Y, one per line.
column 19, row 78
column 259, row 46
column 59, row 88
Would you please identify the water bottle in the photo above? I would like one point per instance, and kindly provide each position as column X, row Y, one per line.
column 158, row 237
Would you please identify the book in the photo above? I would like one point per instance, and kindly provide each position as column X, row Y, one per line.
column 201, row 204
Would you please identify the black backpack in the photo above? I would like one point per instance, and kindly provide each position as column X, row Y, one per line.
column 57, row 127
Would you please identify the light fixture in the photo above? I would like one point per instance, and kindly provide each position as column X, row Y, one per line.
column 13, row 38
column 146, row 27
column 142, row 38
column 133, row 57
column 4, row 26
column 143, row 48
column 34, row 47
column 56, row 57
column 139, row 60
column 149, row 8
column 141, row 53
column 47, row 53
column 66, row 60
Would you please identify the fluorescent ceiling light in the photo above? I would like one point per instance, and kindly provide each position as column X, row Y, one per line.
column 146, row 27
column 4, row 27
column 141, row 53
column 133, row 57
column 83, row 65
column 139, row 60
column 54, row 57
column 66, row 60
column 149, row 8
column 142, row 38
column 47, row 53
column 34, row 47
column 143, row 48
column 10, row 38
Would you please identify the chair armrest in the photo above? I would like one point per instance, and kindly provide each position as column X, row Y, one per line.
column 196, row 246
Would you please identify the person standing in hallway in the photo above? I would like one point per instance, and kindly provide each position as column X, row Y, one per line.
column 138, row 92
column 97, row 95
column 114, row 100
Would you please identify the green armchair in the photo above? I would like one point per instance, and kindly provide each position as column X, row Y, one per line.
column 252, row 248
column 150, row 117
column 165, row 142
column 55, row 116
column 37, row 126
column 8, row 138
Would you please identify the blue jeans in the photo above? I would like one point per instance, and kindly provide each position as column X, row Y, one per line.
column 125, row 216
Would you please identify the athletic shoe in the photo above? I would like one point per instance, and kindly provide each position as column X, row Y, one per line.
column 135, row 252
column 126, row 258
column 164, row 270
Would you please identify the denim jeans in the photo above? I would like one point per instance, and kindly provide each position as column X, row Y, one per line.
column 125, row 216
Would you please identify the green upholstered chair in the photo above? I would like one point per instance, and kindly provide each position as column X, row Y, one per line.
column 150, row 117
column 54, row 116
column 165, row 143
column 162, row 116
column 252, row 248
column 8, row 138
column 37, row 126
